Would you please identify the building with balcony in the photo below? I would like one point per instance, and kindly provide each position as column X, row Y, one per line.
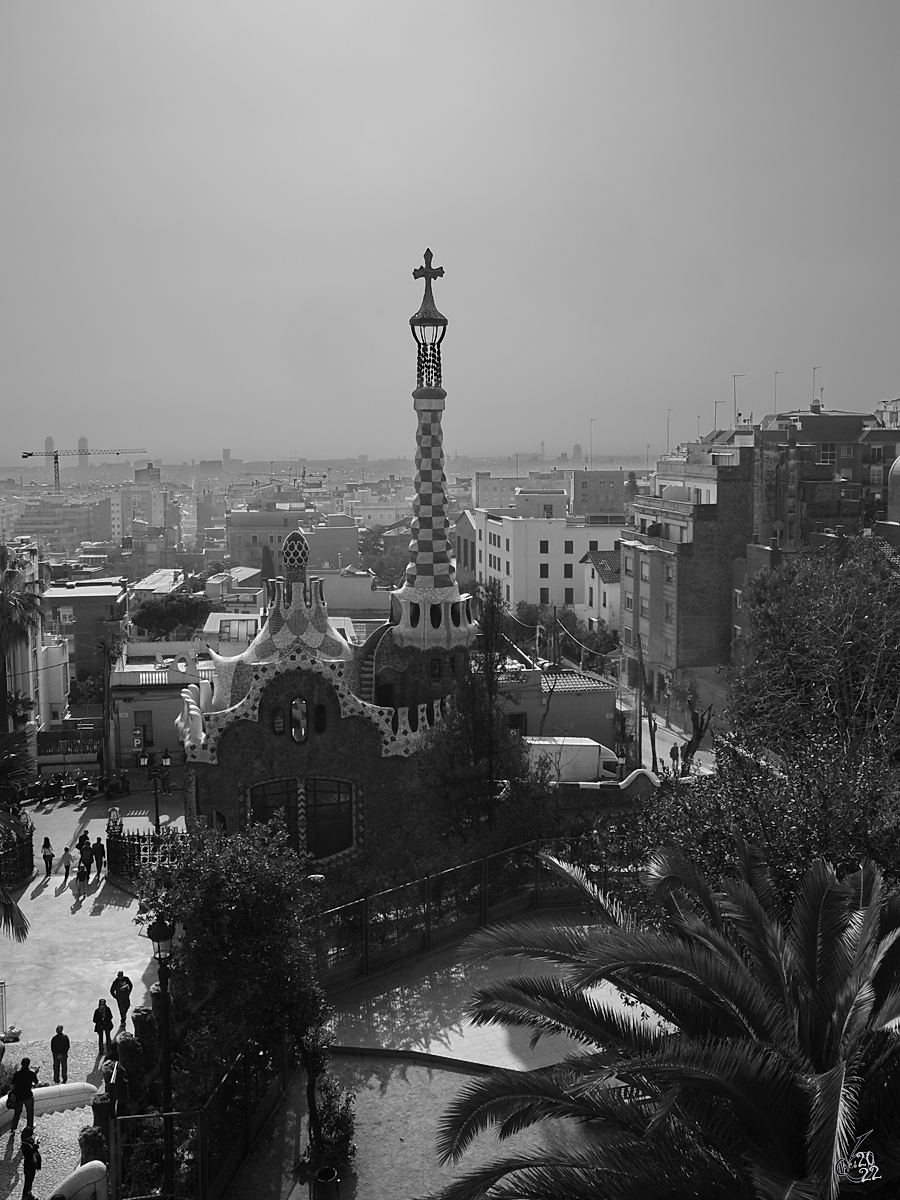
column 145, row 688
column 678, row 552
column 89, row 613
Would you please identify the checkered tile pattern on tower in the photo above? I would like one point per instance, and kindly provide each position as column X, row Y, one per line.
column 430, row 565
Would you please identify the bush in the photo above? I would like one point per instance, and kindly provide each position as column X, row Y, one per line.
column 338, row 1122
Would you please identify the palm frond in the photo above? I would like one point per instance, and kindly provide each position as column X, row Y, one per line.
column 733, row 997
column 515, row 1099
column 604, row 907
column 754, row 873
column 13, row 921
column 668, row 871
column 550, row 1005
column 761, row 936
column 540, row 940
column 833, row 1112
column 818, row 919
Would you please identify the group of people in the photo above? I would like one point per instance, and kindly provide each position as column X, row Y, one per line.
column 120, row 991
column 25, row 1080
column 88, row 855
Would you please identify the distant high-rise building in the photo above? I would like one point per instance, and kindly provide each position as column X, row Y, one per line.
column 577, row 455
column 83, row 459
column 48, row 446
column 226, row 460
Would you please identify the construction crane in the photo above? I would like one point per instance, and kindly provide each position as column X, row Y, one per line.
column 68, row 453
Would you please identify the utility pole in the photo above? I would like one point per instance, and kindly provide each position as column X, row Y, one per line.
column 819, row 368
column 777, row 373
column 668, row 426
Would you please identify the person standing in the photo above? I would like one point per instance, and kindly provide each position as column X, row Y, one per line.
column 22, row 1086
column 47, row 855
column 81, row 880
column 121, row 993
column 673, row 755
column 99, row 854
column 59, row 1048
column 31, row 1161
column 164, row 779
column 66, row 860
column 103, row 1023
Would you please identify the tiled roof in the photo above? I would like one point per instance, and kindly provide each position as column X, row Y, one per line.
column 574, row 681
column 607, row 564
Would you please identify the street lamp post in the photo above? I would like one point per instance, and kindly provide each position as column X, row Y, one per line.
column 154, row 772
column 591, row 466
column 818, row 368
column 161, row 934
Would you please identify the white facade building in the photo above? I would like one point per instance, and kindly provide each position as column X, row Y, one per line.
column 536, row 551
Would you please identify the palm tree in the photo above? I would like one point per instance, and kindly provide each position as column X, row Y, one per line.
column 20, row 615
column 15, row 768
column 758, row 1048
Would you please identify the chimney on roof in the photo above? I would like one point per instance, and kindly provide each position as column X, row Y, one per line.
column 816, row 406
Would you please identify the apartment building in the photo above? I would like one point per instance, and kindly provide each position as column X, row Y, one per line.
column 535, row 552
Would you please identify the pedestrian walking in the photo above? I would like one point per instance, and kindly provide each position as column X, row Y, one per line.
column 47, row 855
column 66, row 860
column 121, row 992
column 673, row 754
column 59, row 1048
column 22, row 1086
column 81, row 880
column 99, row 854
column 31, row 1161
column 103, row 1023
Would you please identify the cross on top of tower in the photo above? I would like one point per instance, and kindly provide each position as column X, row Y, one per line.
column 428, row 313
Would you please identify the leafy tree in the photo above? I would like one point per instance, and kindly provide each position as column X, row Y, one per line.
column 268, row 564
column 473, row 764
column 820, row 653
column 86, row 691
column 371, row 544
column 756, row 1047
column 179, row 610
column 20, row 615
column 243, row 968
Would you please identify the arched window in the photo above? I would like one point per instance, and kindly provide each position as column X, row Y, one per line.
column 414, row 613
column 277, row 796
column 320, row 718
column 436, row 615
column 278, row 720
column 329, row 817
column 299, row 719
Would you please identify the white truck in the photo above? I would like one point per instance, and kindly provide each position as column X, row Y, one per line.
column 574, row 760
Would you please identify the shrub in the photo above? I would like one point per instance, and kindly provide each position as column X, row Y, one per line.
column 338, row 1122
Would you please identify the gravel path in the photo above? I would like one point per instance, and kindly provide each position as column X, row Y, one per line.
column 57, row 1132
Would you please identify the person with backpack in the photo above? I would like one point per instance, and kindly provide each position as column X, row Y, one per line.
column 81, row 880
column 121, row 992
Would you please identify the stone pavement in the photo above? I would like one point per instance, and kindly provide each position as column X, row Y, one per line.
column 73, row 951
column 57, row 1132
column 75, row 947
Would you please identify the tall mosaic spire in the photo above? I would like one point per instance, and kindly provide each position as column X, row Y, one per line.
column 430, row 610
column 429, row 548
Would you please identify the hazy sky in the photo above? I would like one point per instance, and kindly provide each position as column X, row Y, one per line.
column 210, row 213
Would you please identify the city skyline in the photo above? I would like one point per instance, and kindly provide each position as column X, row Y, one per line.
column 213, row 215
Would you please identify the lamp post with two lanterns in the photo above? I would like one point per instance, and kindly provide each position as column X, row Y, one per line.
column 156, row 772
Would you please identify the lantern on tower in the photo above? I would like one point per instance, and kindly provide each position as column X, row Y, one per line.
column 428, row 327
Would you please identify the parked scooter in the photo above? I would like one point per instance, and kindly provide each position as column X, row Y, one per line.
column 118, row 786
